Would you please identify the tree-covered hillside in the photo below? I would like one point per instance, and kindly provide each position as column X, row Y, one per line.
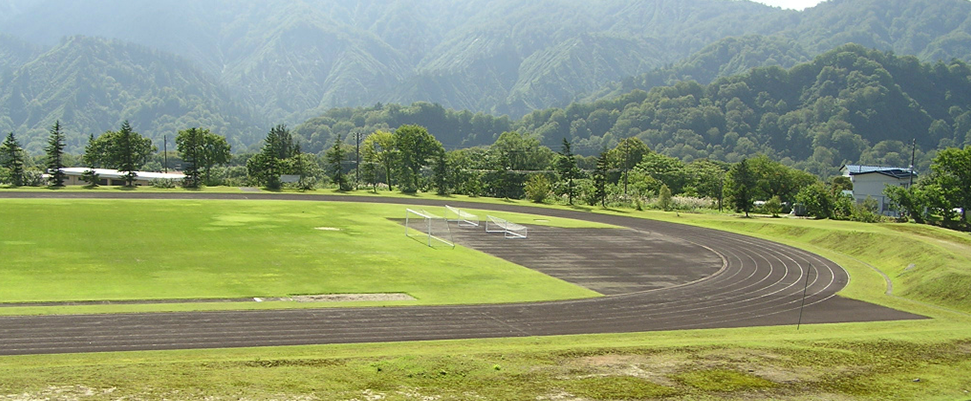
column 292, row 60
column 726, row 57
column 91, row 85
column 15, row 53
column 849, row 105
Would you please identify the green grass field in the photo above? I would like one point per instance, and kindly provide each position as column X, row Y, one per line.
column 912, row 360
column 71, row 250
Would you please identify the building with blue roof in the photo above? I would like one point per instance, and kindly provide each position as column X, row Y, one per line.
column 870, row 181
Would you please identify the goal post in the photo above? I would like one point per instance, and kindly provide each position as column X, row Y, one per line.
column 463, row 218
column 432, row 229
column 508, row 229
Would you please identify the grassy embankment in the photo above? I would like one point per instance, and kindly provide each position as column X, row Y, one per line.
column 928, row 359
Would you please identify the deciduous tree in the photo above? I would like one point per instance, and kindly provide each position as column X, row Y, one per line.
column 379, row 150
column 818, row 199
column 952, row 169
column 415, row 148
column 200, row 151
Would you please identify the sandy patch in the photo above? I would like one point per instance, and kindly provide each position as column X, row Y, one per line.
column 380, row 297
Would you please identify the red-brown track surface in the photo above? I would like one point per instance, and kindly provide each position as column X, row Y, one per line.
column 751, row 282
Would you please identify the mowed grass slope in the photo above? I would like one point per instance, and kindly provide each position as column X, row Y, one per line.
column 72, row 250
column 924, row 263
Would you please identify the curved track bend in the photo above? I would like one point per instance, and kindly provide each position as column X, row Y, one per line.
column 761, row 283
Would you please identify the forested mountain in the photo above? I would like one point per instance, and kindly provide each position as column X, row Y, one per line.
column 849, row 105
column 91, row 85
column 289, row 60
column 15, row 53
column 726, row 57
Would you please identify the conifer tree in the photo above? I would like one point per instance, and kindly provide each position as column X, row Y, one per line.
column 55, row 156
column 335, row 158
column 566, row 167
column 12, row 159
column 740, row 187
column 600, row 178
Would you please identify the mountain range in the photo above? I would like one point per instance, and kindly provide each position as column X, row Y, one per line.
column 239, row 67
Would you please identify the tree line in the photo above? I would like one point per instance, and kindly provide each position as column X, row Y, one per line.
column 516, row 166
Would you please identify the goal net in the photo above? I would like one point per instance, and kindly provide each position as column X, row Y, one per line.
column 508, row 229
column 427, row 227
column 463, row 218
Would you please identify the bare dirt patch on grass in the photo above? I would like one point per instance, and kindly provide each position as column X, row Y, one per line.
column 381, row 297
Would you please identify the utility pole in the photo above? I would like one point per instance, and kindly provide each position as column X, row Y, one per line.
column 165, row 154
column 913, row 159
column 626, row 164
column 357, row 164
column 804, row 291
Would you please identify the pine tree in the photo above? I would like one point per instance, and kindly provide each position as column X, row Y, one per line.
column 335, row 158
column 567, row 168
column 440, row 174
column 55, row 156
column 127, row 151
column 600, row 178
column 266, row 167
column 741, row 186
column 12, row 158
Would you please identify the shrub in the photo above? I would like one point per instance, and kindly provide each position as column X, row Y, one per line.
column 163, row 183
column 773, row 206
column 538, row 188
column 90, row 177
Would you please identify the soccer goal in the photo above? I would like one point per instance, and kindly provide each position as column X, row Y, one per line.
column 432, row 229
column 463, row 218
column 508, row 229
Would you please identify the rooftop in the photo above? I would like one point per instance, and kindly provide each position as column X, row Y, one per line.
column 895, row 172
column 109, row 173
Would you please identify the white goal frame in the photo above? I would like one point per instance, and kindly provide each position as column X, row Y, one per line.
column 508, row 229
column 430, row 226
column 463, row 218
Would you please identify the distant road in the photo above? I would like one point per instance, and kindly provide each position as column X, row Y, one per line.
column 760, row 284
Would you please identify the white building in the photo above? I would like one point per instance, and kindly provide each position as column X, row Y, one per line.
column 108, row 177
column 870, row 181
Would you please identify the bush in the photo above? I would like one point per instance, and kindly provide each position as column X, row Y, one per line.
column 538, row 188
column 33, row 178
column 664, row 197
column 818, row 200
column 163, row 183
column 866, row 212
column 90, row 177
column 773, row 206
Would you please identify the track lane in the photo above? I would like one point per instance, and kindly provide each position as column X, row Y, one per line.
column 760, row 283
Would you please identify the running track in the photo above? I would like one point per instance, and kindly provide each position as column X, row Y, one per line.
column 761, row 284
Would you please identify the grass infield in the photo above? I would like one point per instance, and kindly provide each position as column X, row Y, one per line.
column 71, row 250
